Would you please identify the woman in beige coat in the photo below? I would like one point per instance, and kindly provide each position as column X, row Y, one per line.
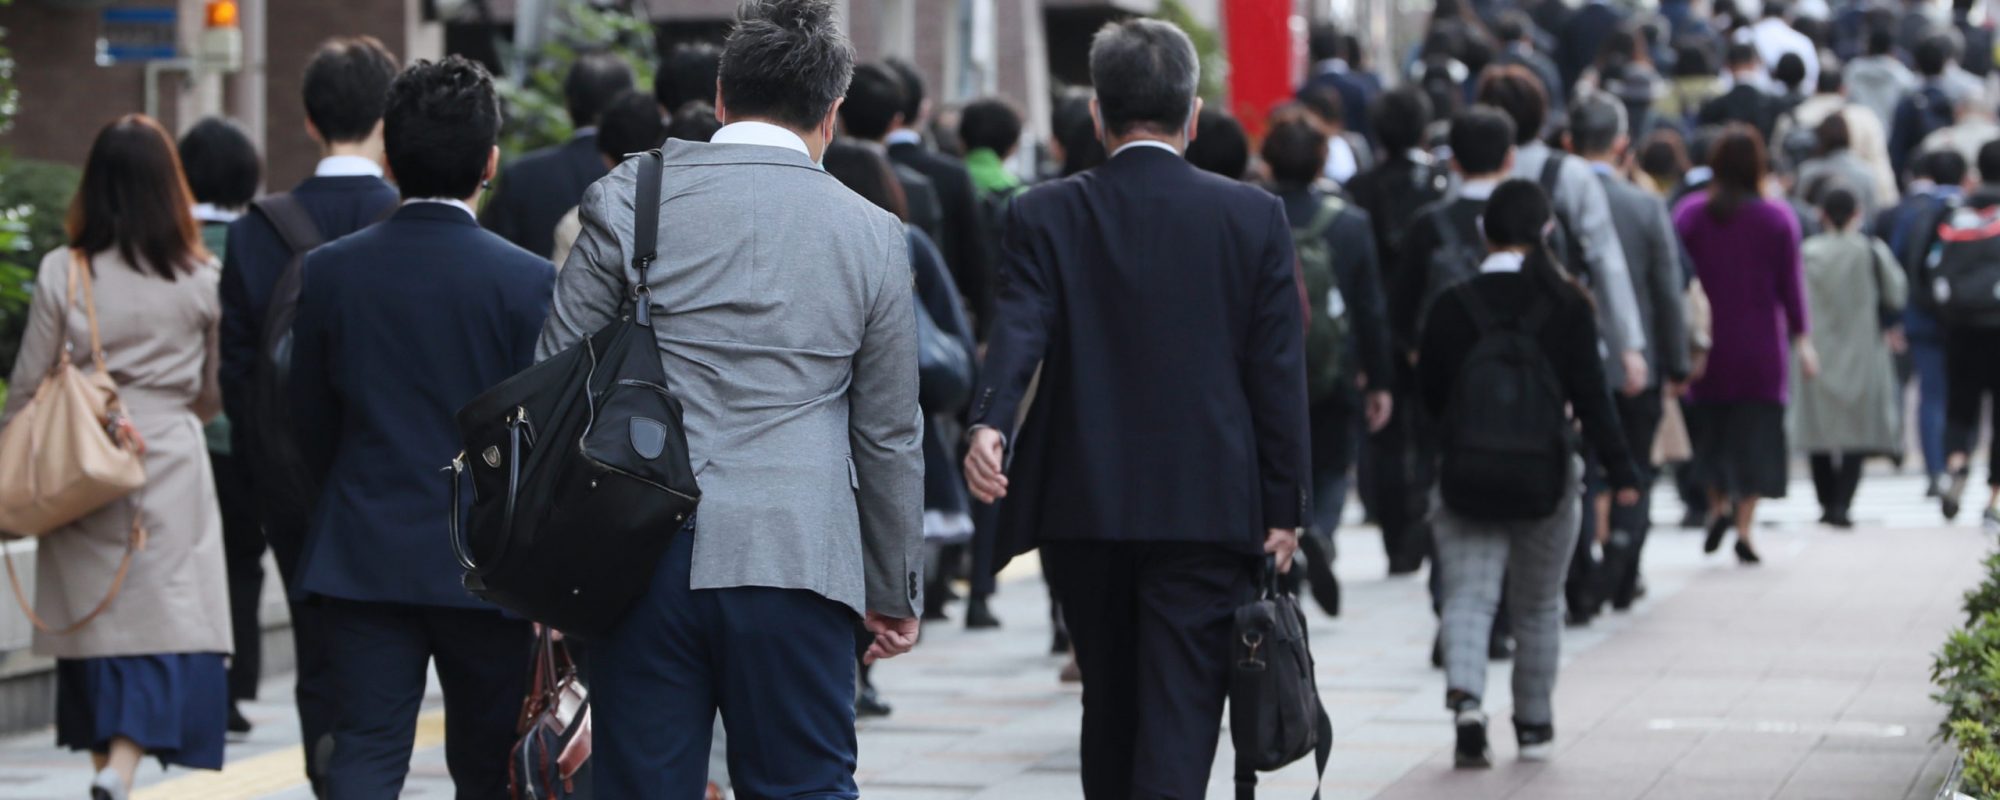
column 146, row 677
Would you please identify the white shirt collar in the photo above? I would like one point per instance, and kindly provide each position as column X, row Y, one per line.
column 1502, row 261
column 209, row 212
column 903, row 136
column 446, row 201
column 1477, row 190
column 587, row 130
column 347, row 167
column 760, row 133
column 1145, row 143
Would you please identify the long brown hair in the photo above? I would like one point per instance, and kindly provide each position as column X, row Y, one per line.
column 134, row 197
column 1738, row 159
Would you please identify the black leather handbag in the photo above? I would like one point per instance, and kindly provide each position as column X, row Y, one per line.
column 1275, row 717
column 579, row 466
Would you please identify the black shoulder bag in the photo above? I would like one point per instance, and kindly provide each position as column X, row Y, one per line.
column 580, row 473
column 1275, row 717
column 282, row 479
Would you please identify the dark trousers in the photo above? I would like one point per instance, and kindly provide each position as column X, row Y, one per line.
column 1616, row 576
column 778, row 664
column 380, row 652
column 1401, row 460
column 985, row 547
column 314, row 692
column 243, row 557
column 1836, row 477
column 1972, row 374
column 1150, row 622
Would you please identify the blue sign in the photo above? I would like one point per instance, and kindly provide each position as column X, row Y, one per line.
column 130, row 35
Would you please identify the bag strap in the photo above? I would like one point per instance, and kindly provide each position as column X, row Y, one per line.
column 135, row 541
column 646, row 231
column 1329, row 210
column 79, row 272
column 294, row 224
column 1552, row 175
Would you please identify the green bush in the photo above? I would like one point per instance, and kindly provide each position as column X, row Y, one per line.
column 34, row 199
column 535, row 116
column 1967, row 674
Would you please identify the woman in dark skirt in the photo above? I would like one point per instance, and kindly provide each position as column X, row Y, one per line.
column 1745, row 249
column 146, row 677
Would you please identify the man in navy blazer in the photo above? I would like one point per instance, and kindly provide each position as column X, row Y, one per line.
column 1164, row 452
column 399, row 326
column 536, row 191
column 1332, row 68
column 346, row 84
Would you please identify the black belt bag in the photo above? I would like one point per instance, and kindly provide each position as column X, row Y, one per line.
column 579, row 465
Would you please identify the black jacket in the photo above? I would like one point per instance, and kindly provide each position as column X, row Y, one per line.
column 535, row 192
column 960, row 236
column 1569, row 339
column 1746, row 104
column 1392, row 192
column 1162, row 305
column 1581, row 36
column 1351, row 238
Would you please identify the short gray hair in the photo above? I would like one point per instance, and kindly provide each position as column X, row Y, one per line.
column 1145, row 72
column 1595, row 123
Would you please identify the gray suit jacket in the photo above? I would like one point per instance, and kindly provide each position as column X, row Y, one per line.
column 784, row 312
column 1652, row 255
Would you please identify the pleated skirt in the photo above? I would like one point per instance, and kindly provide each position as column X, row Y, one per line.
column 174, row 705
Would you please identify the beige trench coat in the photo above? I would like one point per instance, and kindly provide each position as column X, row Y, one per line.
column 160, row 345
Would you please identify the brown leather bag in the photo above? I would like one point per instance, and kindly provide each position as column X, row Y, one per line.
column 69, row 453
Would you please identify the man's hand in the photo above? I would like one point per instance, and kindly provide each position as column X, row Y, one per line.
column 894, row 636
column 984, row 471
column 1635, row 372
column 1377, row 408
column 1282, row 542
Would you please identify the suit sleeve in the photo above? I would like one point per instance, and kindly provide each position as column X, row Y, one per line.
column 1273, row 374
column 885, row 430
column 1669, row 334
column 591, row 288
column 1408, row 285
column 1582, row 374
column 1024, row 319
column 315, row 399
column 238, row 336
column 1611, row 275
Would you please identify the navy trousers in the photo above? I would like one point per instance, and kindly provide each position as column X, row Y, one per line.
column 380, row 652
column 777, row 663
column 1150, row 622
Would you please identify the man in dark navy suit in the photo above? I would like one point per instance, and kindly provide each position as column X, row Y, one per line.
column 963, row 241
column 1581, row 36
column 399, row 326
column 346, row 84
column 1332, row 68
column 1164, row 453
column 536, row 191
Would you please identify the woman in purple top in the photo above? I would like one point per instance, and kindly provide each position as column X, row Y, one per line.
column 1746, row 251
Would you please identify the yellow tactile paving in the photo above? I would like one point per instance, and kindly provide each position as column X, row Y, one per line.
column 267, row 774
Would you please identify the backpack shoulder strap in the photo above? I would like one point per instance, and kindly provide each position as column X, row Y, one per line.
column 294, row 225
column 1330, row 209
column 1482, row 317
column 1552, row 174
column 646, row 231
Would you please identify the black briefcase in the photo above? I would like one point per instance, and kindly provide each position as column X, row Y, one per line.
column 579, row 465
column 1275, row 717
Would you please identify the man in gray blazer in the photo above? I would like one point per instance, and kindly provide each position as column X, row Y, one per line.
column 1597, row 132
column 784, row 314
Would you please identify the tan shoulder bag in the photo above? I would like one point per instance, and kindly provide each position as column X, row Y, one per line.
column 60, row 459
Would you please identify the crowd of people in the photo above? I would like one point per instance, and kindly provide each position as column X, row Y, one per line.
column 1561, row 252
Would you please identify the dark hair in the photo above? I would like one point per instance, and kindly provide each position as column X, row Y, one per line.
column 1790, row 71
column 1944, row 167
column 1830, row 81
column 694, row 121
column 991, row 123
column 1989, row 162
column 1481, row 138
column 1295, row 151
column 1477, row 53
column 786, row 60
column 1515, row 90
column 1694, row 59
column 1934, row 54
column 134, row 198
column 1595, row 123
column 1832, row 134
column 1350, row 49
column 874, row 99
column 1741, row 55
column 1839, row 204
column 1322, row 41
column 1513, row 26
column 1071, row 124
column 867, row 173
column 630, row 124
column 913, row 89
column 1881, row 40
column 1776, row 9
column 1325, row 103
column 346, row 87
column 440, row 127
column 1400, row 116
column 1519, row 214
column 1145, row 72
column 1740, row 165
column 592, row 81
column 221, row 163
column 1220, row 145
column 1663, row 154
column 686, row 74
column 1622, row 47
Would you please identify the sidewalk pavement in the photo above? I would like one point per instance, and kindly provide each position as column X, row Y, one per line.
column 1803, row 678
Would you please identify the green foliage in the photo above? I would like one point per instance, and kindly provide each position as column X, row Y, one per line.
column 535, row 115
column 1966, row 672
column 1207, row 46
column 1984, row 598
column 34, row 198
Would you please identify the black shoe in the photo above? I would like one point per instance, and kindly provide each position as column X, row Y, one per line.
column 1717, row 528
column 1473, row 751
column 1059, row 645
column 1574, row 618
column 1839, row 519
column 1437, row 651
column 869, row 703
column 1746, row 555
column 978, row 617
column 1953, row 492
column 1934, row 488
column 1500, row 648
column 1694, row 519
column 1319, row 573
column 1537, row 742
column 239, row 725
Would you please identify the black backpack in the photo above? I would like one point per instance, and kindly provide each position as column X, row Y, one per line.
column 1504, row 437
column 1964, row 273
column 579, row 465
column 1455, row 260
column 287, row 487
